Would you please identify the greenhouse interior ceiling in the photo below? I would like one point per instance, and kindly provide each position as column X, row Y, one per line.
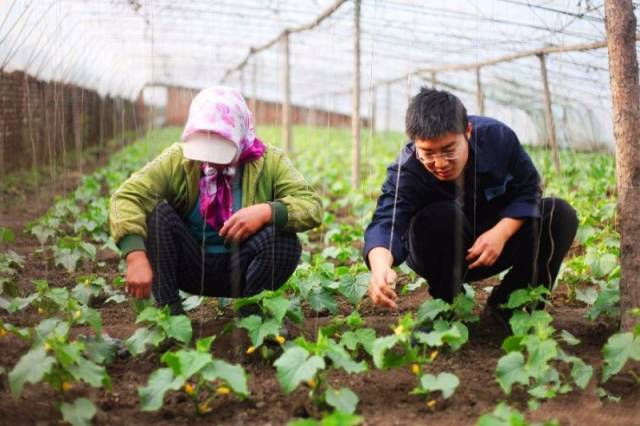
column 122, row 47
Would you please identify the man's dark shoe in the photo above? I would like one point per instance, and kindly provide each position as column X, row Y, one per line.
column 498, row 315
column 176, row 308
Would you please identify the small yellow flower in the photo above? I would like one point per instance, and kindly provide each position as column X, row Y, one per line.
column 433, row 356
column 86, row 282
column 312, row 383
column 398, row 330
column 3, row 332
column 188, row 388
column 223, row 390
column 77, row 314
column 415, row 369
column 280, row 339
column 66, row 386
column 41, row 311
column 203, row 407
column 47, row 346
column 431, row 403
column 250, row 350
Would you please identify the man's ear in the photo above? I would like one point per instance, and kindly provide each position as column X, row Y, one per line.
column 467, row 132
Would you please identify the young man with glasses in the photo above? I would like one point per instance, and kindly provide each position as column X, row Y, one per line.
column 461, row 203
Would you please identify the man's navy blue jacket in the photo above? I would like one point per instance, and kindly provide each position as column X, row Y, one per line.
column 506, row 184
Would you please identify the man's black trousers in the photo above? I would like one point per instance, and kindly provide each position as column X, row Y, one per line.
column 440, row 235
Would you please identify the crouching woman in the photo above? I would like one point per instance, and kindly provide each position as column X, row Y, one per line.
column 215, row 214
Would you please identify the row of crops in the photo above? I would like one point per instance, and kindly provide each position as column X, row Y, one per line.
column 69, row 348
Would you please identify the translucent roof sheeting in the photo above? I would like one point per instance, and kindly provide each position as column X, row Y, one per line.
column 119, row 47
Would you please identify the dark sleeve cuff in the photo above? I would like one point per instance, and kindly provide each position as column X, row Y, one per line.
column 279, row 214
column 129, row 243
column 521, row 209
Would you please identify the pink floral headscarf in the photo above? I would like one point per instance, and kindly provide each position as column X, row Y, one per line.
column 222, row 110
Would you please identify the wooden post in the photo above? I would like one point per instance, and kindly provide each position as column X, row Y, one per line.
column 479, row 92
column 387, row 109
column 286, row 106
column 551, row 129
column 355, row 111
column 254, row 89
column 621, row 26
column 434, row 80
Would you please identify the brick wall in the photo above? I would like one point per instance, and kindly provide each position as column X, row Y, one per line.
column 266, row 113
column 46, row 122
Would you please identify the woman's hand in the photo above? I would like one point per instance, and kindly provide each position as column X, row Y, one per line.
column 246, row 222
column 139, row 275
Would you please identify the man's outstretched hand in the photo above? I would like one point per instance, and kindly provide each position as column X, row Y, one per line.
column 380, row 289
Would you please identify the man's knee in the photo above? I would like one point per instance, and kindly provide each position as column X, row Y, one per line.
column 440, row 218
column 560, row 215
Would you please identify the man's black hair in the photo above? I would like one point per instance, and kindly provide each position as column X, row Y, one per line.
column 434, row 113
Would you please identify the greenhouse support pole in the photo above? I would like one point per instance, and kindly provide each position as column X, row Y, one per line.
column 286, row 105
column 434, row 80
column 254, row 89
column 355, row 112
column 374, row 109
column 621, row 27
column 551, row 129
column 479, row 92
column 387, row 109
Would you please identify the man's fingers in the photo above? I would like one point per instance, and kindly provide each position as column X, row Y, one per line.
column 385, row 301
column 378, row 297
column 481, row 261
column 388, row 292
column 474, row 252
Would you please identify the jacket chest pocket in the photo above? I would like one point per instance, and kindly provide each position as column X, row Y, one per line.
column 494, row 191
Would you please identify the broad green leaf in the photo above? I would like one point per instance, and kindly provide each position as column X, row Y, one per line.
column 617, row 352
column 341, row 358
column 588, row 296
column 569, row 338
column 31, row 368
column 380, row 346
column 362, row 336
column 178, row 327
column 354, row 289
column 160, row 382
column 541, row 352
column 258, row 329
column 79, row 413
column 277, row 306
column 511, row 370
column 90, row 373
column 321, row 300
column 342, row 399
column 137, row 343
column 430, row 309
column 443, row 382
column 233, row 375
column 296, row 365
column 204, row 344
column 581, row 373
column 503, row 415
column 187, row 362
